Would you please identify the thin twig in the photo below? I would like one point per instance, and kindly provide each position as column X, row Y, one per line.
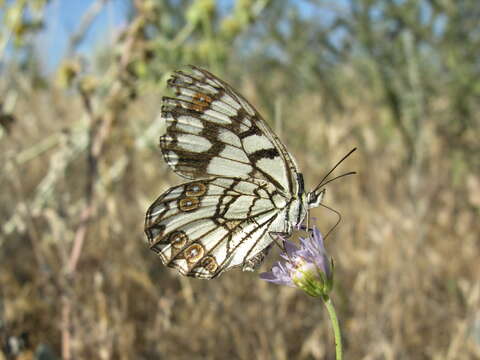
column 99, row 130
column 88, row 18
column 80, row 233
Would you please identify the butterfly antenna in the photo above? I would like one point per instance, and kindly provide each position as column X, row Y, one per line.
column 338, row 221
column 338, row 177
column 336, row 165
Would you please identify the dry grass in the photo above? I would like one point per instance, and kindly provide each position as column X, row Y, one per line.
column 406, row 251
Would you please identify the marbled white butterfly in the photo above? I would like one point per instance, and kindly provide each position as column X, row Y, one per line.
column 245, row 186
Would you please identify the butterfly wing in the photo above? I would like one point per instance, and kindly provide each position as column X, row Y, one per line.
column 213, row 131
column 205, row 227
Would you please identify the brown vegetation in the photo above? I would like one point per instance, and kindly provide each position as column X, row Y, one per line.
column 79, row 169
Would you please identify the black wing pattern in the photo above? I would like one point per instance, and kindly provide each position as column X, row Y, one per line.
column 244, row 186
column 203, row 227
column 212, row 131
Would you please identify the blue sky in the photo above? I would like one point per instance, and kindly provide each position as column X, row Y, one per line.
column 62, row 18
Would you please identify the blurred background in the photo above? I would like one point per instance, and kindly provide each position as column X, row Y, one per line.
column 80, row 94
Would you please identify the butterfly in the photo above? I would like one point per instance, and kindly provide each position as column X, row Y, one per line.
column 244, row 188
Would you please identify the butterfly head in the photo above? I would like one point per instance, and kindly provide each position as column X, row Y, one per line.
column 315, row 198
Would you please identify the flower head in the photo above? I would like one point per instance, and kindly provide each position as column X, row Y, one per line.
column 307, row 267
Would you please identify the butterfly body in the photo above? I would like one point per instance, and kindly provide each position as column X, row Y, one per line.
column 244, row 185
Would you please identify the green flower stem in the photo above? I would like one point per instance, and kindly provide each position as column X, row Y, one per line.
column 335, row 326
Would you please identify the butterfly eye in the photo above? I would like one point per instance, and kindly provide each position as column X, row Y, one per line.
column 315, row 198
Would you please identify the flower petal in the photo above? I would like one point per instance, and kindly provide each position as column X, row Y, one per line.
column 290, row 248
column 307, row 267
column 269, row 276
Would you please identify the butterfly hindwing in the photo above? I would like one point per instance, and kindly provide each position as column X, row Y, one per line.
column 205, row 227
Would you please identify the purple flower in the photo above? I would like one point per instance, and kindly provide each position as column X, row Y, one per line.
column 307, row 267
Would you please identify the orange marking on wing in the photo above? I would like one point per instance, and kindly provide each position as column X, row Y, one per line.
column 201, row 102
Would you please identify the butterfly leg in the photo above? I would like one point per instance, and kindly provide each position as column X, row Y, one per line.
column 253, row 263
column 276, row 236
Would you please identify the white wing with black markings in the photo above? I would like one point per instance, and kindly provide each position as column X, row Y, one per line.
column 204, row 227
column 245, row 185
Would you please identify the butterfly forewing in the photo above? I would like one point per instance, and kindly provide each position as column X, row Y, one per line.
column 211, row 131
column 245, row 184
